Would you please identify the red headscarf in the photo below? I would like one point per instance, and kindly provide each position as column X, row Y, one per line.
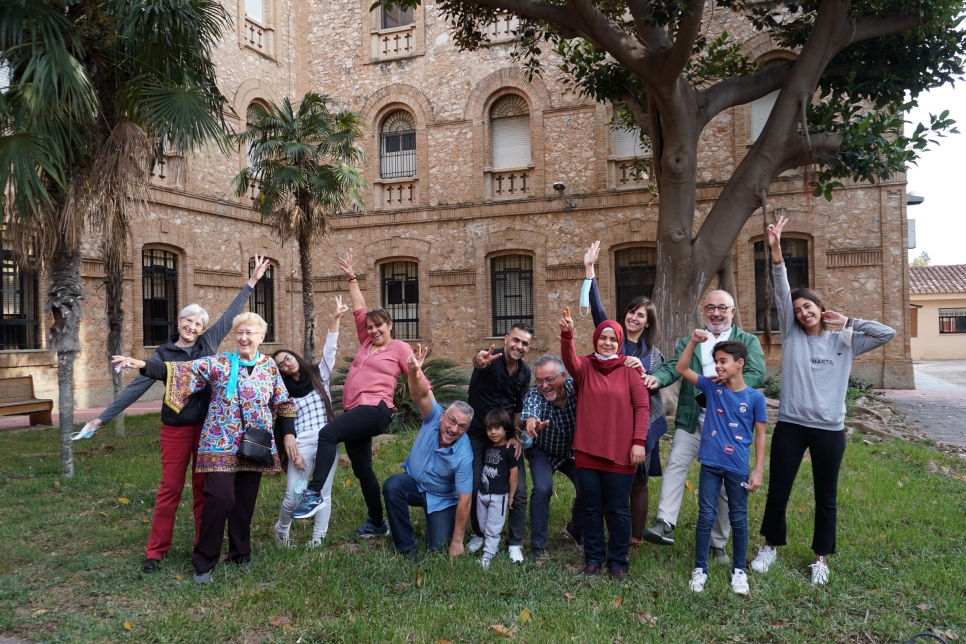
column 607, row 366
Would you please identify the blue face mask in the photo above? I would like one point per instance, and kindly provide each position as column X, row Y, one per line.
column 585, row 297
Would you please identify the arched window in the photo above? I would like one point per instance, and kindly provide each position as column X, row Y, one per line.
column 396, row 17
column 400, row 297
column 511, row 281
column 397, row 146
column 19, row 318
column 262, row 300
column 635, row 270
column 159, row 293
column 795, row 252
column 510, row 132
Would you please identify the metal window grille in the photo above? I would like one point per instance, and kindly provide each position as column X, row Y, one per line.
column 635, row 270
column 262, row 300
column 952, row 321
column 400, row 297
column 396, row 17
column 512, row 289
column 795, row 252
column 397, row 146
column 159, row 283
column 19, row 318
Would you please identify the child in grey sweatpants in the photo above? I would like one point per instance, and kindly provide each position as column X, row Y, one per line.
column 498, row 482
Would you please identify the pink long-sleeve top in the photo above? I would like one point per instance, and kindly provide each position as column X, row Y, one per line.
column 372, row 376
column 612, row 412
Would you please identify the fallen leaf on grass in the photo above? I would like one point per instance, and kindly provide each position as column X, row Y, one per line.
column 898, row 483
column 647, row 620
column 178, row 577
column 923, row 606
column 278, row 621
column 504, row 631
column 778, row 622
column 123, row 500
column 57, row 484
column 689, row 485
column 128, row 626
column 400, row 585
column 128, row 485
column 951, row 635
column 569, row 596
column 654, row 594
column 145, row 520
column 419, row 578
column 38, row 613
column 524, row 616
column 102, row 514
column 348, row 483
column 618, row 602
column 444, row 641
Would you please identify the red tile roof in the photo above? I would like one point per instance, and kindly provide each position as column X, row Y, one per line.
column 938, row 279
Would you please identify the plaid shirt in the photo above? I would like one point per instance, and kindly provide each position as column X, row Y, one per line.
column 557, row 440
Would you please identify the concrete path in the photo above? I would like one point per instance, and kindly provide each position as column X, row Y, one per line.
column 938, row 404
column 9, row 423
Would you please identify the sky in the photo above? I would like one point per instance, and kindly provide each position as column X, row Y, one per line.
column 939, row 178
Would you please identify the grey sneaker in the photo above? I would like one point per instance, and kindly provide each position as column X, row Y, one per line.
column 202, row 578
column 476, row 543
column 661, row 533
column 720, row 555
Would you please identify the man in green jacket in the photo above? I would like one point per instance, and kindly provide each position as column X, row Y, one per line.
column 719, row 310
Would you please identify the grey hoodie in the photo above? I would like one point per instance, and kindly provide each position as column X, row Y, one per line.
column 815, row 368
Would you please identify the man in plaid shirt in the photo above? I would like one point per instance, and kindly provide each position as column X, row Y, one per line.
column 550, row 414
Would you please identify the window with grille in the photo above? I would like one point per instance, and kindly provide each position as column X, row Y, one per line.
column 397, row 146
column 795, row 253
column 512, row 288
column 262, row 300
column 20, row 320
column 510, row 132
column 159, row 285
column 396, row 17
column 952, row 321
column 635, row 270
column 255, row 10
column 400, row 297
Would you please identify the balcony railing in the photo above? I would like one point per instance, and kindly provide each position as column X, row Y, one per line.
column 396, row 193
column 502, row 27
column 509, row 183
column 259, row 37
column 398, row 42
column 624, row 174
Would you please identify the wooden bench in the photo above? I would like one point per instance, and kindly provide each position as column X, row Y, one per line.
column 17, row 397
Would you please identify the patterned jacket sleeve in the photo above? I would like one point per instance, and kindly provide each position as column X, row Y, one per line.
column 184, row 379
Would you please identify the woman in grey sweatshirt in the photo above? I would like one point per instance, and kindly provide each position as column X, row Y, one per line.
column 816, row 363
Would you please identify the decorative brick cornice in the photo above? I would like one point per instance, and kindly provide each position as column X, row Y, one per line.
column 848, row 257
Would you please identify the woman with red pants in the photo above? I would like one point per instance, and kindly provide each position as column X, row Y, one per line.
column 180, row 430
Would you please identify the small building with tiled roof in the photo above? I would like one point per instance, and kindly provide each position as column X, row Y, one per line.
column 937, row 295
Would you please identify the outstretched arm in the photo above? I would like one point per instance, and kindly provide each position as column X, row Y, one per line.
column 214, row 334
column 567, row 351
column 419, row 389
column 683, row 365
column 355, row 293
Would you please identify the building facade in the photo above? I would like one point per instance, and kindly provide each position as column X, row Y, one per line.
column 463, row 233
column 937, row 326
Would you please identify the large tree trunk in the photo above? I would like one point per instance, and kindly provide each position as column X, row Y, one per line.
column 308, row 297
column 63, row 299
column 115, row 329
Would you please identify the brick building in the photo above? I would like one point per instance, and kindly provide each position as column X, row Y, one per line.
column 463, row 233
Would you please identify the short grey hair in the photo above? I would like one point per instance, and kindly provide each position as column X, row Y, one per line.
column 549, row 358
column 195, row 309
column 462, row 406
column 723, row 292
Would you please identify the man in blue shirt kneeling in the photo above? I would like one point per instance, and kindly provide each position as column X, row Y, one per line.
column 438, row 473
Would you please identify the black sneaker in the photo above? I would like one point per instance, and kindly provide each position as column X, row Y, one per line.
column 151, row 565
column 412, row 556
column 536, row 554
column 370, row 530
column 660, row 533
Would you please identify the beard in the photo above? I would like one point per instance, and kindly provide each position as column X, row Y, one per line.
column 718, row 327
column 549, row 397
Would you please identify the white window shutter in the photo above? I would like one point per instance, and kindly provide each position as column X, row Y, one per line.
column 511, row 141
column 255, row 10
column 760, row 111
column 627, row 143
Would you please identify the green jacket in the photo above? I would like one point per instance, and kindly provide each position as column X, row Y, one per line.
column 686, row 417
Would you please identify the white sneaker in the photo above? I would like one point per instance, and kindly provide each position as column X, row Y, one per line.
column 739, row 582
column 281, row 538
column 698, row 580
column 314, row 544
column 516, row 554
column 819, row 573
column 485, row 561
column 476, row 542
column 764, row 559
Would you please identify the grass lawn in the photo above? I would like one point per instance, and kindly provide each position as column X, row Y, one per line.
column 71, row 552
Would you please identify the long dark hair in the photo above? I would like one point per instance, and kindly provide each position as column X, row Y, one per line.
column 811, row 296
column 652, row 332
column 314, row 378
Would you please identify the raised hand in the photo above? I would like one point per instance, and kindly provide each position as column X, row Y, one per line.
column 566, row 322
column 484, row 358
column 416, row 358
column 261, row 265
column 340, row 308
column 590, row 257
column 775, row 232
column 345, row 263
column 535, row 426
column 123, row 362
column 699, row 335
column 834, row 318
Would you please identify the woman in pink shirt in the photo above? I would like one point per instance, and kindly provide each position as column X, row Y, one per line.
column 367, row 404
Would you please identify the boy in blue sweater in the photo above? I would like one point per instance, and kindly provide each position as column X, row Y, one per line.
column 734, row 411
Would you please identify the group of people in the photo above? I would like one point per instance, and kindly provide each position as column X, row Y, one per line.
column 596, row 418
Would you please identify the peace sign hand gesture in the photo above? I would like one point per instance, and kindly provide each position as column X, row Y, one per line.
column 261, row 265
column 566, row 322
column 775, row 232
column 340, row 308
column 416, row 359
column 484, row 358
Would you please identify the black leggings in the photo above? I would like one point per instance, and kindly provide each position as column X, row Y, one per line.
column 355, row 428
column 788, row 445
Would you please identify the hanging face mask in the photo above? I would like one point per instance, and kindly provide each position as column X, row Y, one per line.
column 846, row 333
column 302, row 483
column 585, row 298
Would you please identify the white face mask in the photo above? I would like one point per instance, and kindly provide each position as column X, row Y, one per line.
column 846, row 334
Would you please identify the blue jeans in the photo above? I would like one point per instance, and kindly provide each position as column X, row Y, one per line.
column 541, row 473
column 401, row 493
column 709, row 486
column 612, row 492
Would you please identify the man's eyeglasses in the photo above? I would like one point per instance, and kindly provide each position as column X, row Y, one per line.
column 460, row 426
column 721, row 308
column 546, row 381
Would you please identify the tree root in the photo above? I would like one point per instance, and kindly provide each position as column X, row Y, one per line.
column 869, row 428
column 862, row 409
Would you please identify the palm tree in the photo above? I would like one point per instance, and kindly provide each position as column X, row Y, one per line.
column 302, row 161
column 95, row 87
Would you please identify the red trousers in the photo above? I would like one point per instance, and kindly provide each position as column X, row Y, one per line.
column 179, row 447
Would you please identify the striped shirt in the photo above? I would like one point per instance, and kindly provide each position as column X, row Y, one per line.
column 557, row 440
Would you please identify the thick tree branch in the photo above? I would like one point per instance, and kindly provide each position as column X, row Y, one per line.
column 744, row 89
column 640, row 116
column 555, row 14
column 870, row 27
column 653, row 36
column 688, row 30
column 626, row 49
column 794, row 156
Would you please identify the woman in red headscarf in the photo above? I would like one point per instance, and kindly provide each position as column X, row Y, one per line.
column 612, row 418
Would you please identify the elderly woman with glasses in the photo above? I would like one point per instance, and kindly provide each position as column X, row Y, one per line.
column 180, row 430
column 367, row 400
column 247, row 394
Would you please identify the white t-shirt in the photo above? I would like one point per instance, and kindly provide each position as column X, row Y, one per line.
column 707, row 359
